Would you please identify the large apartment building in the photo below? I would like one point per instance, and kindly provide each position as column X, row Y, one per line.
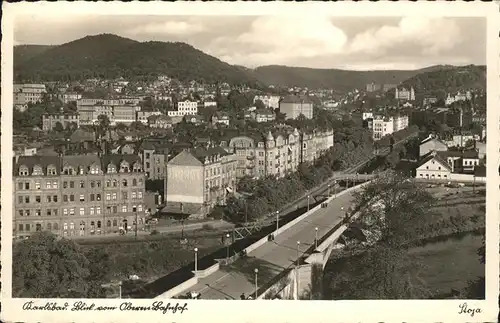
column 293, row 106
column 78, row 195
column 270, row 101
column 198, row 179
column 49, row 121
column 28, row 93
column 277, row 153
column 118, row 111
column 184, row 108
column 385, row 125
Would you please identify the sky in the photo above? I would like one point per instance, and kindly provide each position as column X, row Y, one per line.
column 354, row 43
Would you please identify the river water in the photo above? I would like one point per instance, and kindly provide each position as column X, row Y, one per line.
column 444, row 265
column 450, row 263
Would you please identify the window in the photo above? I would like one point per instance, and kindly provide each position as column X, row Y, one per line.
column 49, row 212
column 134, row 182
column 37, row 185
column 124, row 183
column 20, row 185
column 108, row 183
column 124, row 195
column 92, row 210
column 139, row 195
column 23, row 171
column 54, row 212
column 38, row 199
column 114, row 196
column 49, row 199
column 54, row 185
column 98, row 197
column 98, row 210
column 426, row 167
column 115, row 183
column 98, row 183
column 82, row 184
column 115, row 209
column 56, row 226
column 21, row 227
column 49, row 226
column 65, row 211
column 82, row 197
column 38, row 212
column 65, row 198
column 148, row 165
column 98, row 224
column 134, row 208
column 26, row 199
column 140, row 181
column 124, row 208
column 92, row 197
column 71, row 198
column 134, row 195
column 48, row 185
column 72, row 211
column 82, row 211
column 65, row 184
column 108, row 223
column 71, row 184
column 71, row 226
column 108, row 196
column 115, row 223
column 139, row 208
column 92, row 184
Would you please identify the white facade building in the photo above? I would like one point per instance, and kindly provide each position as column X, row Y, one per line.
column 184, row 108
column 270, row 101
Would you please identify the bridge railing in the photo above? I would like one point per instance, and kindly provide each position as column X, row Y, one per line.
column 267, row 286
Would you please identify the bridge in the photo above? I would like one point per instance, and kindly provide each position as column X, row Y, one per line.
column 298, row 245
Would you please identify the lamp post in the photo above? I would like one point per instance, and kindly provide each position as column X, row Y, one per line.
column 227, row 245
column 328, row 190
column 256, row 270
column 308, row 197
column 297, row 269
column 277, row 221
column 120, row 289
column 316, row 238
column 334, row 189
column 195, row 260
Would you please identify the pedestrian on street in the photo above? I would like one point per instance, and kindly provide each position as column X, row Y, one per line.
column 242, row 296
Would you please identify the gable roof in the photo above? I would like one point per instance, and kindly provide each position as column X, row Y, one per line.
column 469, row 154
column 117, row 159
column 185, row 158
column 32, row 161
column 434, row 156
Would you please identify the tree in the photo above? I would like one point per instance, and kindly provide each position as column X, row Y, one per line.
column 103, row 124
column 259, row 104
column 58, row 127
column 48, row 267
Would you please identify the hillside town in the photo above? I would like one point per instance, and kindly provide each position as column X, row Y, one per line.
column 164, row 185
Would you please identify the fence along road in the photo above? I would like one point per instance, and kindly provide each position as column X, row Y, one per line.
column 272, row 257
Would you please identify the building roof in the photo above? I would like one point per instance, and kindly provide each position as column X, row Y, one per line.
column 32, row 161
column 472, row 154
column 296, row 99
column 116, row 159
column 185, row 158
column 434, row 155
column 81, row 161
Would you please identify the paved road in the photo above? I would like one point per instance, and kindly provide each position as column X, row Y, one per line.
column 271, row 258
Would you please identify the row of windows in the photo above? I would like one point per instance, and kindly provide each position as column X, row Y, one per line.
column 68, row 170
column 26, row 227
column 81, row 184
column 94, row 210
column 71, row 197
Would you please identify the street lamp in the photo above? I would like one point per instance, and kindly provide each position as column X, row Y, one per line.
column 120, row 289
column 297, row 269
column 195, row 260
column 334, row 189
column 316, row 238
column 227, row 245
column 277, row 221
column 308, row 197
column 256, row 270
column 328, row 190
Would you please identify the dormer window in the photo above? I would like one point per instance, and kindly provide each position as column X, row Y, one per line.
column 137, row 168
column 51, row 170
column 94, row 169
column 124, row 167
column 111, row 168
column 81, row 170
column 68, row 170
column 23, row 171
column 37, row 170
